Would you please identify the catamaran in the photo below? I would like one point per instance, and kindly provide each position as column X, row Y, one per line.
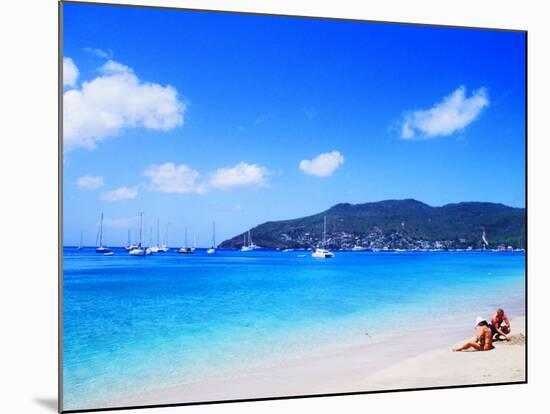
column 185, row 249
column 212, row 250
column 99, row 241
column 248, row 245
column 323, row 252
column 154, row 248
column 138, row 250
column 129, row 244
column 163, row 247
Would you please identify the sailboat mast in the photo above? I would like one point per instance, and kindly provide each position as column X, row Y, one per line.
column 325, row 232
column 140, row 228
column 213, row 234
column 186, row 237
column 158, row 232
column 101, row 231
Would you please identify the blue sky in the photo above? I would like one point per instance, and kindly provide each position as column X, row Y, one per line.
column 194, row 117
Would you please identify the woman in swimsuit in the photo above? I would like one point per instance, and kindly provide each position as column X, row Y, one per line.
column 483, row 341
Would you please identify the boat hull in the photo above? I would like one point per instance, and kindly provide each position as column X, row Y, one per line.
column 137, row 252
column 322, row 254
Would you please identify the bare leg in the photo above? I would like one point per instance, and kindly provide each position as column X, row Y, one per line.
column 468, row 345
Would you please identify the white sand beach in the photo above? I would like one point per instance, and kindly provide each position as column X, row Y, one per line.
column 505, row 363
column 415, row 359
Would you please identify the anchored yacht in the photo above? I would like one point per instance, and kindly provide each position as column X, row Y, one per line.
column 323, row 252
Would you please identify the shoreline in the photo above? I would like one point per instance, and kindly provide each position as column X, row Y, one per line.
column 400, row 361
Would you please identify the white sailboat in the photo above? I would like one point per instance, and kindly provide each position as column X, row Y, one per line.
column 139, row 251
column 323, row 252
column 212, row 250
column 244, row 247
column 129, row 244
column 162, row 247
column 154, row 248
column 248, row 244
column 185, row 249
column 80, row 246
column 148, row 250
column 99, row 242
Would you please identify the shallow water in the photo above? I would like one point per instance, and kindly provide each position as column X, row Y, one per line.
column 133, row 324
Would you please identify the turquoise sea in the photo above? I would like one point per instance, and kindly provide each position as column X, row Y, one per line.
column 133, row 324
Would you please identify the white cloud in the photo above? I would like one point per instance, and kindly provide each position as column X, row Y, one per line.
column 114, row 101
column 237, row 207
column 242, row 174
column 120, row 194
column 70, row 72
column 322, row 165
column 105, row 54
column 172, row 178
column 89, row 182
column 454, row 113
column 114, row 68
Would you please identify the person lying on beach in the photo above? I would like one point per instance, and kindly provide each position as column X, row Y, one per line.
column 483, row 341
column 500, row 325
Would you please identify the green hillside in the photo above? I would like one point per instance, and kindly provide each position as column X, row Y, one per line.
column 395, row 223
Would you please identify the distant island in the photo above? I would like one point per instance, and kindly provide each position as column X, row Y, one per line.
column 397, row 224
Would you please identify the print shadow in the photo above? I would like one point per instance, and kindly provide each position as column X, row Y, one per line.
column 49, row 403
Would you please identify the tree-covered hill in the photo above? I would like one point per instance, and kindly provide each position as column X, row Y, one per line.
column 396, row 224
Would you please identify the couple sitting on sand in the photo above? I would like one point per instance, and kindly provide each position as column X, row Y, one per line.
column 499, row 326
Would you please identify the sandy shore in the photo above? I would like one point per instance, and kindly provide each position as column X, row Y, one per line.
column 505, row 363
column 416, row 359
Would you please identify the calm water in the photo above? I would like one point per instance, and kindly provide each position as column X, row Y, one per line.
column 137, row 323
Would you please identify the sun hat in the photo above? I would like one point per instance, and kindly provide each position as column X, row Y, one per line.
column 479, row 319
